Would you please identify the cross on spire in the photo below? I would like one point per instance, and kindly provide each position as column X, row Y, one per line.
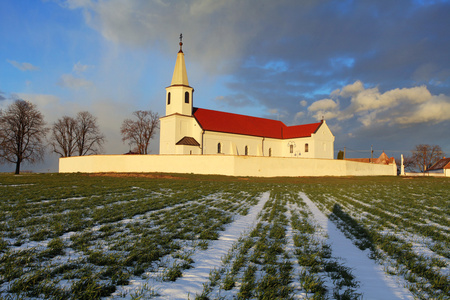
column 181, row 42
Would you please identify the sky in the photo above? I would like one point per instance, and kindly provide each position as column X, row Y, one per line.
column 378, row 71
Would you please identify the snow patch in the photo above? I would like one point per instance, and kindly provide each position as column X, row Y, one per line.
column 375, row 284
column 204, row 261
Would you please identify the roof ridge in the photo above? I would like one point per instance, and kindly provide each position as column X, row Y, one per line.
column 247, row 116
column 219, row 121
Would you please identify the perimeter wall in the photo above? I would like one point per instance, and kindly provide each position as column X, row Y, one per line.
column 253, row 166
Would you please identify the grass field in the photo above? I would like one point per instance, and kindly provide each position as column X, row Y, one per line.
column 134, row 236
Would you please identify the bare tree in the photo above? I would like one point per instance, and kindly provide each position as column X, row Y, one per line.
column 22, row 134
column 64, row 136
column 89, row 138
column 408, row 163
column 80, row 135
column 424, row 156
column 139, row 132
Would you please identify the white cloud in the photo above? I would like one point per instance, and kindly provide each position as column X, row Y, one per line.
column 23, row 66
column 372, row 99
column 434, row 111
column 403, row 106
column 303, row 103
column 325, row 115
column 80, row 68
column 351, row 89
column 299, row 115
column 69, row 81
column 324, row 104
column 324, row 109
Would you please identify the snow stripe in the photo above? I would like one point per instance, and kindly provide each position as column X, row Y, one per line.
column 375, row 284
column 192, row 281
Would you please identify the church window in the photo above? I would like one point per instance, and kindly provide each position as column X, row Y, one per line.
column 291, row 148
column 186, row 97
column 306, row 147
column 168, row 98
column 270, row 151
column 219, row 148
column 246, row 150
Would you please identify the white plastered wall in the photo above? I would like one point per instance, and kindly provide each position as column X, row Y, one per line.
column 173, row 128
column 231, row 144
column 298, row 146
column 320, row 145
column 323, row 142
column 222, row 165
column 177, row 103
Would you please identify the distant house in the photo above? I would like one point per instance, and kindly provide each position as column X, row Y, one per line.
column 383, row 160
column 442, row 166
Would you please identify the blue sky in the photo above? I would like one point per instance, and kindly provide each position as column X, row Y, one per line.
column 377, row 71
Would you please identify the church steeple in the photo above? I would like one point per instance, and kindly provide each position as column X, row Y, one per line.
column 179, row 94
column 179, row 73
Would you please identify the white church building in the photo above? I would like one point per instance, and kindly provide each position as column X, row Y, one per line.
column 202, row 141
column 186, row 129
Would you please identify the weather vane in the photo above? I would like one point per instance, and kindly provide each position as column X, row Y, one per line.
column 181, row 42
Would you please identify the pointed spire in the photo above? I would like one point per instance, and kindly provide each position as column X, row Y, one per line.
column 179, row 73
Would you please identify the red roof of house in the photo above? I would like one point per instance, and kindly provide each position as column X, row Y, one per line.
column 382, row 160
column 443, row 163
column 213, row 120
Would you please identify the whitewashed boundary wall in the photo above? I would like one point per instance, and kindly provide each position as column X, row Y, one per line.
column 426, row 174
column 230, row 165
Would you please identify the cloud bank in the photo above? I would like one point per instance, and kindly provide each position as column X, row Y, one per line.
column 403, row 106
column 24, row 66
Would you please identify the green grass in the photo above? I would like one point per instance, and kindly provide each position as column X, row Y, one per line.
column 83, row 235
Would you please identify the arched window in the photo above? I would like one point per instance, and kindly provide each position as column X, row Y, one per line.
column 270, row 151
column 168, row 98
column 219, row 148
column 306, row 147
column 291, row 148
column 186, row 97
column 246, row 150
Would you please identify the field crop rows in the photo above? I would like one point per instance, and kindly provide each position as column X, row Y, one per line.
column 285, row 256
column 83, row 240
column 83, row 237
column 405, row 225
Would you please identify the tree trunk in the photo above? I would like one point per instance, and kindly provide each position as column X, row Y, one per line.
column 17, row 168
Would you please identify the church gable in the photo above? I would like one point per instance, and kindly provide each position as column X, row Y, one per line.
column 298, row 131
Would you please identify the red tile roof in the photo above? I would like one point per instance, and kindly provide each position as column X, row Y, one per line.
column 443, row 163
column 212, row 120
column 382, row 160
column 188, row 141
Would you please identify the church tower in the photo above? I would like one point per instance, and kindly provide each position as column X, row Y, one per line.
column 180, row 133
column 179, row 95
